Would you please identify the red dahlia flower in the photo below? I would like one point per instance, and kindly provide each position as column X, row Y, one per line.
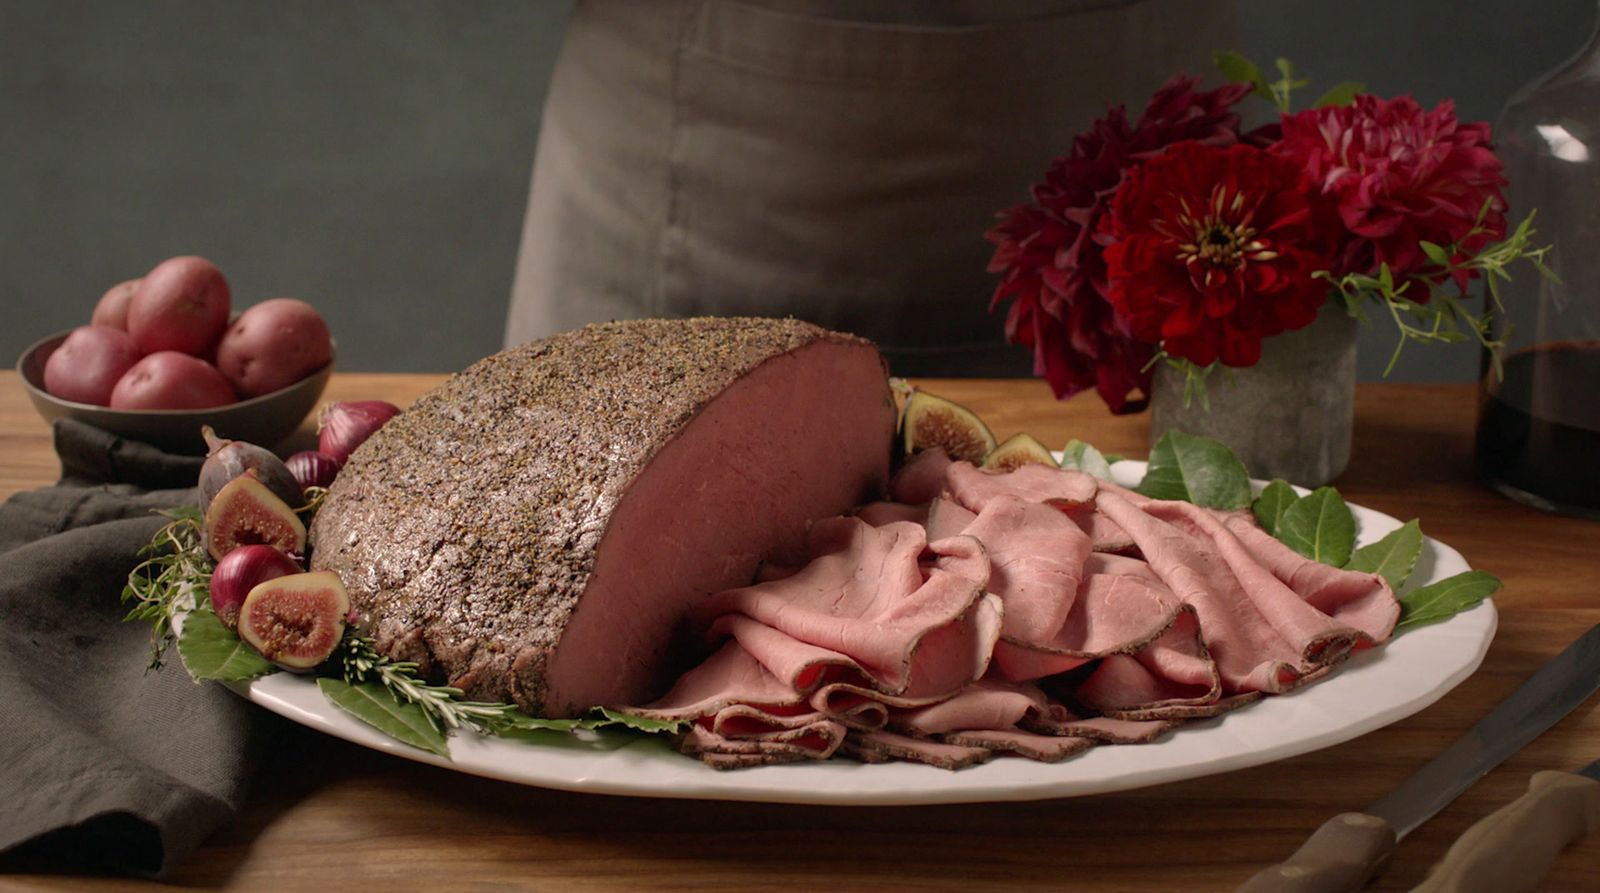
column 1214, row 250
column 1398, row 176
column 1050, row 253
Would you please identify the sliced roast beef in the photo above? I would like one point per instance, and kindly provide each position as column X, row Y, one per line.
column 1105, row 729
column 535, row 528
column 1044, row 748
column 947, row 518
column 921, row 479
column 1036, row 558
column 1263, row 635
column 1062, row 488
column 876, row 747
column 989, row 703
column 1113, row 613
column 866, row 595
column 1365, row 602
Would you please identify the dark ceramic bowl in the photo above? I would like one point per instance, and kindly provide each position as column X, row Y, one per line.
column 263, row 420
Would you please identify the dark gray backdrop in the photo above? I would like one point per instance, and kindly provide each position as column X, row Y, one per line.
column 373, row 157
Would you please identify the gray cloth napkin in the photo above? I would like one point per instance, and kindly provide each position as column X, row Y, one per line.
column 103, row 765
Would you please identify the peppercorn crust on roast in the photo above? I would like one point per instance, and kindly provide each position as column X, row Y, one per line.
column 535, row 529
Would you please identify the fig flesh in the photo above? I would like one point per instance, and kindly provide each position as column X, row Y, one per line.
column 246, row 513
column 931, row 421
column 1017, row 451
column 295, row 621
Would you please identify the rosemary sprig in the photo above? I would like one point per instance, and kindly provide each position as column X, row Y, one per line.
column 359, row 662
column 174, row 577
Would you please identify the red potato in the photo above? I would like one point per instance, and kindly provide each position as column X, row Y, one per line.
column 87, row 365
column 168, row 379
column 181, row 305
column 112, row 308
column 273, row 345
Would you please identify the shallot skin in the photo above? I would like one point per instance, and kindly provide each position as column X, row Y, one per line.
column 240, row 571
column 344, row 426
column 313, row 468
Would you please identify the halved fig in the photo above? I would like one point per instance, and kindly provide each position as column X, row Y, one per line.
column 245, row 513
column 931, row 421
column 295, row 621
column 1019, row 450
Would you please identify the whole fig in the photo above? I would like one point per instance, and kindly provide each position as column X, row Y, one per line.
column 228, row 459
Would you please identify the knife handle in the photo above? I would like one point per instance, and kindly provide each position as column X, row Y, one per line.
column 1344, row 854
column 1513, row 847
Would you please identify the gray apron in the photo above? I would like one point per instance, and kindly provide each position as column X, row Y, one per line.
column 834, row 161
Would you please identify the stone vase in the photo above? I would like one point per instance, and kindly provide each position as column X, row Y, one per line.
column 1289, row 415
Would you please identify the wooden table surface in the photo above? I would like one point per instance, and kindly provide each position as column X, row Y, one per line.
column 326, row 814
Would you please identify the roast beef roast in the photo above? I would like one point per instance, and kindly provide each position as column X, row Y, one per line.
column 537, row 528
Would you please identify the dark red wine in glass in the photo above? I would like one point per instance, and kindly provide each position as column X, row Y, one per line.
column 1539, row 428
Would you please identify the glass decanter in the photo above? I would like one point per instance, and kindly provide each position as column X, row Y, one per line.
column 1539, row 426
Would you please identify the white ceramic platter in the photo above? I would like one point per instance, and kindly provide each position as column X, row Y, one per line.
column 1373, row 689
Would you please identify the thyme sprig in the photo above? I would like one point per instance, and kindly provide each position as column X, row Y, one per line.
column 173, row 578
column 1423, row 309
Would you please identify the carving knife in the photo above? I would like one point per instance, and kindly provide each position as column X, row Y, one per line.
column 1511, row 849
column 1350, row 849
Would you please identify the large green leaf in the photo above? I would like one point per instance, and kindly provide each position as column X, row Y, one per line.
column 1446, row 598
column 1320, row 527
column 376, row 706
column 1198, row 470
column 1272, row 503
column 212, row 651
column 1085, row 458
column 639, row 723
column 1393, row 557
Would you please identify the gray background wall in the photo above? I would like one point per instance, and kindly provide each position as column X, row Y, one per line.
column 373, row 157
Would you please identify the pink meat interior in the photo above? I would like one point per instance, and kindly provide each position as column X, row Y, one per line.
column 805, row 435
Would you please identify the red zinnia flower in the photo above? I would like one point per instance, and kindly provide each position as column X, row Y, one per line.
column 1399, row 176
column 1214, row 250
column 1050, row 250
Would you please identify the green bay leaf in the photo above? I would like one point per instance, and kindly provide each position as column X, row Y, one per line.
column 1320, row 527
column 1198, row 470
column 1272, row 503
column 1392, row 557
column 212, row 651
column 522, row 722
column 639, row 723
column 1446, row 598
column 376, row 706
column 1085, row 458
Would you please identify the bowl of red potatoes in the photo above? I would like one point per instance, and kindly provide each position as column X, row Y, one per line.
column 165, row 354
